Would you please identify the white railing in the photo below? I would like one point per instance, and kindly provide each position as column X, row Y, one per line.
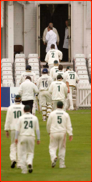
column 83, row 98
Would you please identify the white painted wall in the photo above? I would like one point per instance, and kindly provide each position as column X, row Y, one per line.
column 29, row 28
column 18, row 24
column 2, row 14
column 77, row 28
column 6, row 25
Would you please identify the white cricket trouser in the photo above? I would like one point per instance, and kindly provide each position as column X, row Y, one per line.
column 57, row 141
column 14, row 149
column 55, row 104
column 46, row 103
column 69, row 96
column 27, row 144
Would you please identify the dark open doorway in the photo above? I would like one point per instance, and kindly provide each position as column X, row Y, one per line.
column 57, row 14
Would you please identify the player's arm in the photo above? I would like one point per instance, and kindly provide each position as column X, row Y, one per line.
column 58, row 39
column 67, row 84
column 7, row 122
column 36, row 91
column 38, row 83
column 66, row 90
column 51, row 88
column 60, row 55
column 69, row 127
column 77, row 78
column 20, row 81
column 37, row 131
column 51, row 73
column 50, row 81
column 55, row 75
column 34, row 79
column 47, row 37
column 66, row 79
column 49, row 124
column 47, row 57
column 44, row 36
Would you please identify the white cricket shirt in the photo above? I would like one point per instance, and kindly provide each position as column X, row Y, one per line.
column 72, row 77
column 53, row 71
column 58, row 89
column 13, row 113
column 59, row 122
column 27, row 124
column 44, row 82
column 27, row 73
column 52, row 55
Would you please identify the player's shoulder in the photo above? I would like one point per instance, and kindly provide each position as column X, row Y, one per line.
column 49, row 77
column 51, row 69
column 23, row 74
column 32, row 73
column 63, row 83
column 10, row 107
column 59, row 51
column 54, row 28
column 21, row 105
column 34, row 117
column 52, row 113
column 54, row 82
column 65, row 113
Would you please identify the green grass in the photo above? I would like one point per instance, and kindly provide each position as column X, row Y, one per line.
column 78, row 153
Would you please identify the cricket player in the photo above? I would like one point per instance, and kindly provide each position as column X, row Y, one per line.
column 62, row 73
column 27, row 90
column 53, row 54
column 72, row 79
column 54, row 69
column 28, row 72
column 13, row 113
column 26, row 127
column 58, row 90
column 58, row 125
column 44, row 95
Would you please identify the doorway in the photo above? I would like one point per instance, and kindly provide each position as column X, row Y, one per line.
column 57, row 14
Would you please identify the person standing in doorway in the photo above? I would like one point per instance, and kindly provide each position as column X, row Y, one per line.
column 54, row 30
column 66, row 43
column 51, row 38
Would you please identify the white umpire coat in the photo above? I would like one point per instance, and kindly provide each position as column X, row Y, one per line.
column 27, row 90
column 45, row 32
column 51, row 38
column 66, row 40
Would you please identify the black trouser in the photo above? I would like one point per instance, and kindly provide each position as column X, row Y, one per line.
column 28, row 102
column 65, row 55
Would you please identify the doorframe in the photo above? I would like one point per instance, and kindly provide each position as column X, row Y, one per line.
column 38, row 3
